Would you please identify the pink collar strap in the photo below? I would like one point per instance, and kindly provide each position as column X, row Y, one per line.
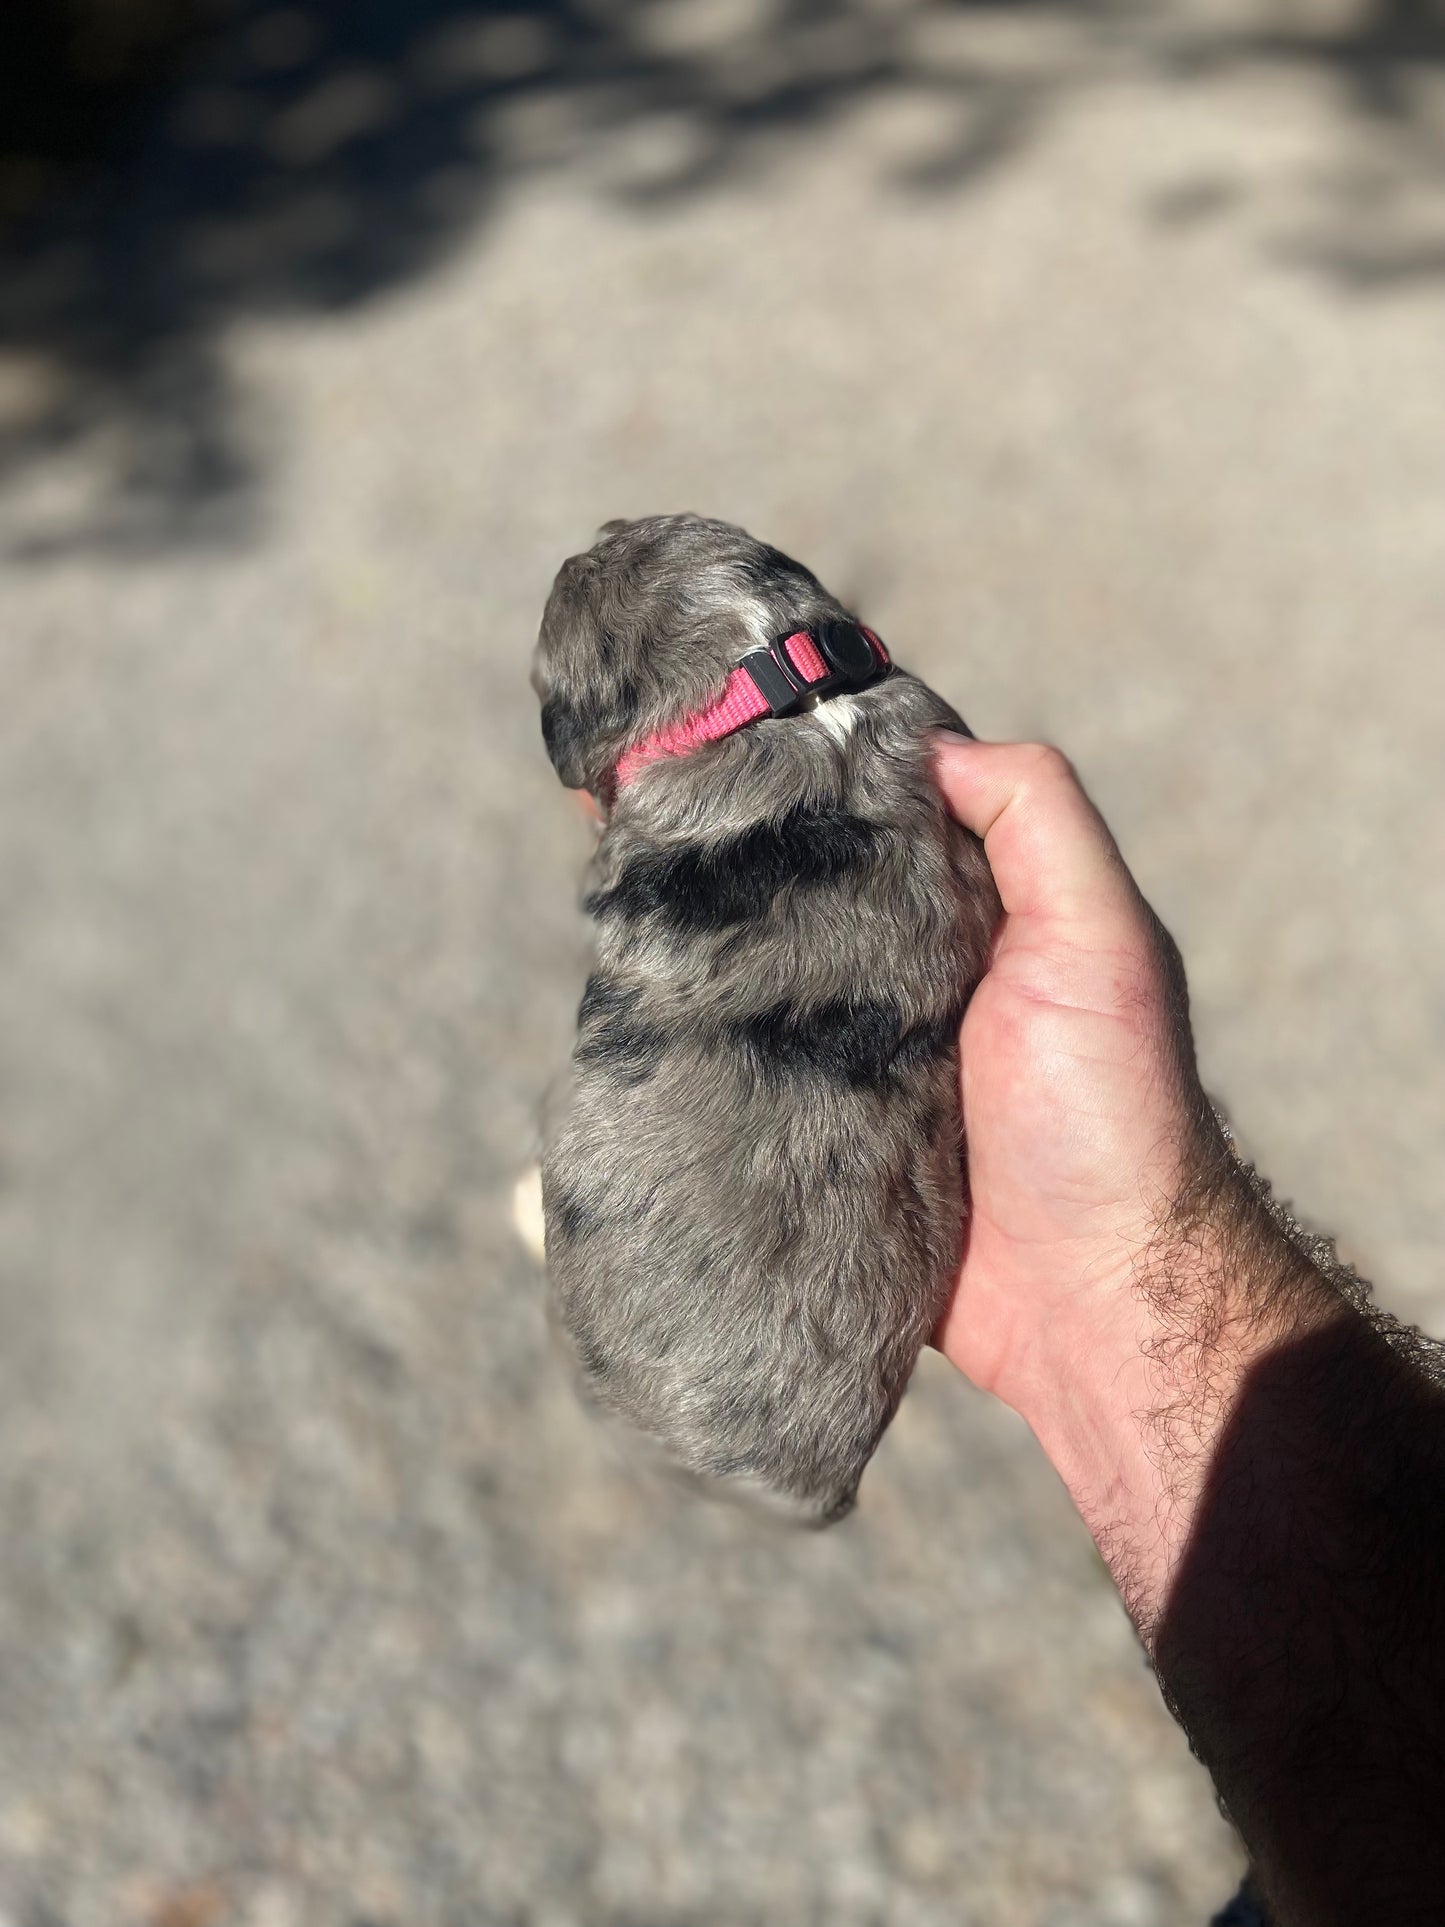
column 835, row 657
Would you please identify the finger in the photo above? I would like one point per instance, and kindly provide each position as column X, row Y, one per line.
column 1050, row 850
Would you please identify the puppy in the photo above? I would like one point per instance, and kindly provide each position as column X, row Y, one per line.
column 752, row 1180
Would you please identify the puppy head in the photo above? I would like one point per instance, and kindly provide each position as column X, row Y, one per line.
column 643, row 627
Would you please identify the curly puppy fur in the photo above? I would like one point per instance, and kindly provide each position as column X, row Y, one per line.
column 752, row 1178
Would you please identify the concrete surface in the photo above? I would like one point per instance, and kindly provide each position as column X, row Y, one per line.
column 1098, row 358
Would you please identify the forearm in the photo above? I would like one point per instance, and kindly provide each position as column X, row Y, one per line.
column 1302, row 1642
column 1265, row 1474
column 1131, row 1391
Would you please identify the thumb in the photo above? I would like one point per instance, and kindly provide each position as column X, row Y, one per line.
column 1050, row 851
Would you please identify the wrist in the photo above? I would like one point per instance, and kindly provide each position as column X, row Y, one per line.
column 1129, row 1390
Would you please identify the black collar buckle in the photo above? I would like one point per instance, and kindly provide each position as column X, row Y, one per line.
column 851, row 657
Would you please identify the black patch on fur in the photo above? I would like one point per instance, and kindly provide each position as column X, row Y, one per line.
column 861, row 1044
column 571, row 727
column 765, row 567
column 563, row 731
column 613, row 1037
column 603, row 997
column 708, row 886
column 569, row 1218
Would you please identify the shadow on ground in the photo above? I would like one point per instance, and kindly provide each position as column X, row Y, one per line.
column 167, row 167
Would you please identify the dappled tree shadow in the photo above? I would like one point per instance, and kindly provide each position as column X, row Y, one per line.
column 312, row 155
column 266, row 158
column 1385, row 64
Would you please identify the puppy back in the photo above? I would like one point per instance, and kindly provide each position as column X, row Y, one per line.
column 753, row 1185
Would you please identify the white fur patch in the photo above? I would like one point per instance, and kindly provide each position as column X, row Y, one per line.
column 838, row 716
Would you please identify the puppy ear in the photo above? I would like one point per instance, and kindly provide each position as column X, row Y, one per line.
column 567, row 730
column 581, row 672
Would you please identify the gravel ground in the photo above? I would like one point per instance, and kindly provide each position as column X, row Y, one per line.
column 1098, row 359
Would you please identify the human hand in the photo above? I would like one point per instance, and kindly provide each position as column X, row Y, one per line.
column 1082, row 1108
column 1094, row 1162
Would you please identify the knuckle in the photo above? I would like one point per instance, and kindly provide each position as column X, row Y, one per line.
column 1047, row 766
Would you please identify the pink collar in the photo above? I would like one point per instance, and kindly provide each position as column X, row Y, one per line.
column 838, row 656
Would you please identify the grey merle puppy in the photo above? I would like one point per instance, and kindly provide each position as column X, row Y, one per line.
column 752, row 1179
